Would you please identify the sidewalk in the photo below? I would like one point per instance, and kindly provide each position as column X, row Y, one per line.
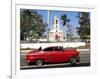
column 83, row 49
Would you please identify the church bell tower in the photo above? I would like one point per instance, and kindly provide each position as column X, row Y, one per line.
column 56, row 34
column 56, row 23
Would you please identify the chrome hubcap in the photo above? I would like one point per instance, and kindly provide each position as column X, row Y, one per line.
column 39, row 62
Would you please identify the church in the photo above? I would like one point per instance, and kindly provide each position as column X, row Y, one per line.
column 56, row 34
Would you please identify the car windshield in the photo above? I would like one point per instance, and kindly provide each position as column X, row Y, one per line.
column 48, row 49
column 57, row 48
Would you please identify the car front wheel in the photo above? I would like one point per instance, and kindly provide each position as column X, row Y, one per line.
column 39, row 62
column 73, row 60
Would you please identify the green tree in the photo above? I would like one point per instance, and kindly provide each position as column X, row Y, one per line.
column 84, row 26
column 31, row 24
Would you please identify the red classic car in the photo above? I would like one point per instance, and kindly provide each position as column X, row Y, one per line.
column 54, row 54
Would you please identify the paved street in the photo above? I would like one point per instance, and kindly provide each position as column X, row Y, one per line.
column 84, row 61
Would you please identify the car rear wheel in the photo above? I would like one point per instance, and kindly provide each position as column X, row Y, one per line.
column 73, row 60
column 39, row 62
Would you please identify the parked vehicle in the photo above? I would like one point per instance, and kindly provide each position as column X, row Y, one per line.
column 53, row 54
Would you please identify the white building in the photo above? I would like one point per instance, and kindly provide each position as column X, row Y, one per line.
column 56, row 34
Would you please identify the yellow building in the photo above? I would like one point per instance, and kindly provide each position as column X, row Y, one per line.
column 56, row 34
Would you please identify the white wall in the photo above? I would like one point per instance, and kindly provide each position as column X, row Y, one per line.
column 43, row 45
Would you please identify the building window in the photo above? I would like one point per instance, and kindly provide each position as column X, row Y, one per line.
column 56, row 26
column 56, row 30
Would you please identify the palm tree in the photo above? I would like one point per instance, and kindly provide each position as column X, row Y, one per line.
column 65, row 19
column 65, row 22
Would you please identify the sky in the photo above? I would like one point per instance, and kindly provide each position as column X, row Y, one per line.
column 71, row 15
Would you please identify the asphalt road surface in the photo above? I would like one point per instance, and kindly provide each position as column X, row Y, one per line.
column 84, row 61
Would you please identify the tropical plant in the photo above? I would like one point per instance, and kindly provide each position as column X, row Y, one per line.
column 65, row 22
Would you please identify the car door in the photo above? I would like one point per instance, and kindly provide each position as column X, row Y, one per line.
column 60, row 54
column 50, row 54
column 53, row 55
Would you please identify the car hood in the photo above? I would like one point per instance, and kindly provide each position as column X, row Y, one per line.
column 35, row 52
column 69, row 49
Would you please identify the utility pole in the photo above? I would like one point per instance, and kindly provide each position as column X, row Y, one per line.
column 48, row 29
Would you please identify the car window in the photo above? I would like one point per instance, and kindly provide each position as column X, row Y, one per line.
column 48, row 49
column 58, row 48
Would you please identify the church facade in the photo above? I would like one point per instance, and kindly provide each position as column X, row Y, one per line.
column 56, row 34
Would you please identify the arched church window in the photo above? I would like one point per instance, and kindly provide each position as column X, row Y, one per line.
column 56, row 21
column 56, row 37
